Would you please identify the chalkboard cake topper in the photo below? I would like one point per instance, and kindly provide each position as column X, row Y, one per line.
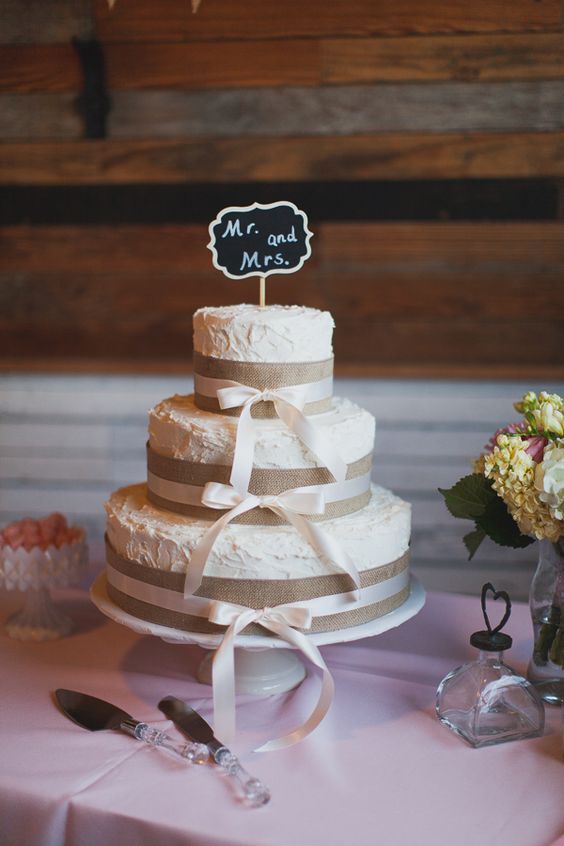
column 260, row 240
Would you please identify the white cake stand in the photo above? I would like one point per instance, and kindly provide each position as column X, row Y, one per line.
column 263, row 665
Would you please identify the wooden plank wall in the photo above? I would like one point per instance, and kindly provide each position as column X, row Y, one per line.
column 67, row 441
column 424, row 139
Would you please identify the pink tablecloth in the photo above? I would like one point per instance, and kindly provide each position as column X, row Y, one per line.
column 380, row 769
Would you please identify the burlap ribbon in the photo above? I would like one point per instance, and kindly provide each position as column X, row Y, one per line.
column 250, row 593
column 263, row 376
column 291, row 506
column 289, row 406
column 178, row 486
column 265, row 481
column 285, row 621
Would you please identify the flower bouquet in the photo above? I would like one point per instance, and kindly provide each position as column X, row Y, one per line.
column 516, row 495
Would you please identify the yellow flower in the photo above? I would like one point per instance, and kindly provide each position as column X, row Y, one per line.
column 512, row 471
column 549, row 419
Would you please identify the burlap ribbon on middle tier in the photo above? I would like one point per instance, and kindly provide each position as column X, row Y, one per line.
column 177, row 485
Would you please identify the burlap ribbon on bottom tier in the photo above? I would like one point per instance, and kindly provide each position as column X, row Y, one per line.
column 253, row 593
column 158, row 597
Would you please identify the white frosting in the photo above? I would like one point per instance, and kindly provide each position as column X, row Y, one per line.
column 178, row 429
column 272, row 334
column 373, row 536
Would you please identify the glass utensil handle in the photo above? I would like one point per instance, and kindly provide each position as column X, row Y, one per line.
column 256, row 793
column 195, row 753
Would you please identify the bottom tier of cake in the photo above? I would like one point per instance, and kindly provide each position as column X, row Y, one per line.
column 149, row 554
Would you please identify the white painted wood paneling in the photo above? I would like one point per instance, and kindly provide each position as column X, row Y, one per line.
column 67, row 441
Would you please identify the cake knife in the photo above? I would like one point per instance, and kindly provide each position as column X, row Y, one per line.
column 96, row 715
column 193, row 726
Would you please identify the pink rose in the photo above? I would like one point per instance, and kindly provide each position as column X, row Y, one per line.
column 510, row 429
column 535, row 447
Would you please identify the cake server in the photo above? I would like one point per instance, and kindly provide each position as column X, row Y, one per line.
column 194, row 727
column 97, row 715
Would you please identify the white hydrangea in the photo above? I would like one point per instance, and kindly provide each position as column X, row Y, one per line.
column 549, row 479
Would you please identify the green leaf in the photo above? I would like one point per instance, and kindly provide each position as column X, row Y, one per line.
column 497, row 524
column 473, row 540
column 470, row 496
column 473, row 498
column 500, row 526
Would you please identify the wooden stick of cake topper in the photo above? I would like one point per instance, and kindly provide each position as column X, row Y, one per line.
column 260, row 240
column 262, row 292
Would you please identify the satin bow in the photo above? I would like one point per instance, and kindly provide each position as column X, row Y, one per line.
column 280, row 620
column 290, row 505
column 289, row 404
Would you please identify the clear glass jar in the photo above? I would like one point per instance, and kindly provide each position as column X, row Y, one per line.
column 486, row 702
column 546, row 599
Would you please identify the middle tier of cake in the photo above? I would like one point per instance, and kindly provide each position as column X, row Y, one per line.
column 189, row 448
column 179, row 429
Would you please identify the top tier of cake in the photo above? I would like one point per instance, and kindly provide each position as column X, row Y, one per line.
column 271, row 334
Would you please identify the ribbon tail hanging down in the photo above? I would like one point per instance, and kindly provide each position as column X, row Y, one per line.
column 200, row 553
column 324, row 545
column 244, row 450
column 289, row 404
column 311, row 436
column 223, row 675
column 290, row 505
column 279, row 621
column 326, row 693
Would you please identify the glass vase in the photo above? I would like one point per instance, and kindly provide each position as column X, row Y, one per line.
column 546, row 667
column 486, row 702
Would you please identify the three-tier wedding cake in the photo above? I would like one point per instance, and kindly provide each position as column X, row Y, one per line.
column 259, row 490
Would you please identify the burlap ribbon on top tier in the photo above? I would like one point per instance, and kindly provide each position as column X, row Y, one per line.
column 263, row 376
column 177, row 485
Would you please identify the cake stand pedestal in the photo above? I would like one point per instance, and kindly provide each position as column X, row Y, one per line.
column 258, row 668
column 260, row 671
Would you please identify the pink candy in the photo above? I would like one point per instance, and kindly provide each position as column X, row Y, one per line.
column 48, row 531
